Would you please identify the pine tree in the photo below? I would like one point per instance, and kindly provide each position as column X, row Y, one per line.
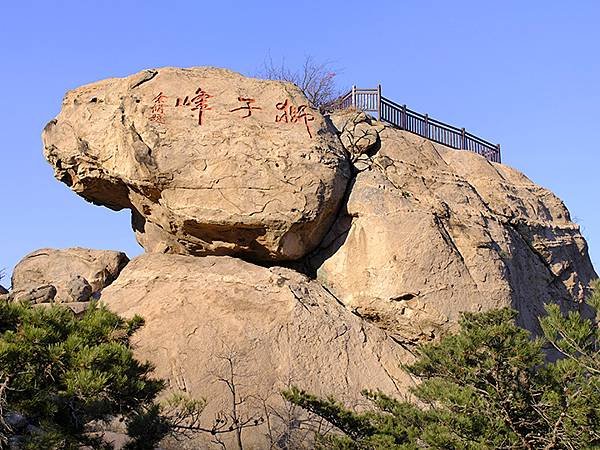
column 63, row 372
column 486, row 387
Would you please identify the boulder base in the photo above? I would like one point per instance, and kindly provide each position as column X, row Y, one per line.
column 218, row 318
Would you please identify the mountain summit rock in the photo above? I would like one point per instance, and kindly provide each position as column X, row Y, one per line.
column 208, row 161
column 229, row 178
column 428, row 232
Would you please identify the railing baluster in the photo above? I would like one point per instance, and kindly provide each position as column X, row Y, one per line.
column 379, row 101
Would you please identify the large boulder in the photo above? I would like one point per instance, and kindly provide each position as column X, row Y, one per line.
column 429, row 231
column 208, row 161
column 216, row 319
column 65, row 275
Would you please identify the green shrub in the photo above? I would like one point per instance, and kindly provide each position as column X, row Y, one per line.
column 63, row 372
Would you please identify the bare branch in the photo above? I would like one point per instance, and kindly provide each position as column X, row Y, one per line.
column 316, row 80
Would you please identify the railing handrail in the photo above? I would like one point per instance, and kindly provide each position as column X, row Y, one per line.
column 370, row 99
column 422, row 116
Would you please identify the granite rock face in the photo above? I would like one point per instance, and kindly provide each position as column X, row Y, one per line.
column 34, row 295
column 428, row 232
column 405, row 232
column 208, row 161
column 398, row 235
column 274, row 326
column 64, row 276
column 358, row 132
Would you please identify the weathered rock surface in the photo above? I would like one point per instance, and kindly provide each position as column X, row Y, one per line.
column 36, row 295
column 3, row 290
column 67, row 275
column 359, row 133
column 78, row 289
column 429, row 232
column 277, row 327
column 77, row 308
column 208, row 161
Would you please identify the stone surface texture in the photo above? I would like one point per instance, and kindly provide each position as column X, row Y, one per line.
column 398, row 236
column 67, row 275
column 208, row 161
column 278, row 327
column 358, row 132
column 428, row 232
column 43, row 294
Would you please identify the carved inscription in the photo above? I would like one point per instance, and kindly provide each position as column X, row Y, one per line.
column 248, row 107
column 285, row 111
column 293, row 114
column 158, row 109
column 197, row 103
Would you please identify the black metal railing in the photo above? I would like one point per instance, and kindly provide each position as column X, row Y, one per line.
column 371, row 100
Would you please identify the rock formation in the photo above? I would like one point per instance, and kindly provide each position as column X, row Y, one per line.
column 71, row 275
column 217, row 168
column 208, row 161
column 4, row 294
column 278, row 328
column 428, row 232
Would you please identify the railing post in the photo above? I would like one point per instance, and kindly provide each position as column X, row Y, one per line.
column 427, row 126
column 379, row 101
column 354, row 96
column 463, row 143
column 403, row 118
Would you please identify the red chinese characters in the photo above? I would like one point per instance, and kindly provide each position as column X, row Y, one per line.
column 293, row 114
column 286, row 112
column 248, row 107
column 198, row 103
column 157, row 113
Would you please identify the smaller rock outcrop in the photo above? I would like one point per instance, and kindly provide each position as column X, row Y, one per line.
column 78, row 289
column 359, row 134
column 65, row 276
column 4, row 293
column 36, row 295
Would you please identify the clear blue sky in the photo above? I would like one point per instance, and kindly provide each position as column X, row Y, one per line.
column 524, row 74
